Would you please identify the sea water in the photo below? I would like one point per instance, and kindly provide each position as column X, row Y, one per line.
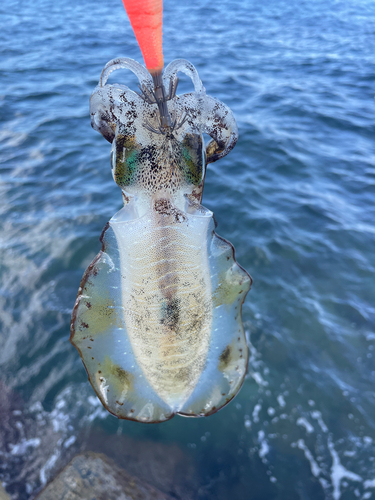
column 295, row 197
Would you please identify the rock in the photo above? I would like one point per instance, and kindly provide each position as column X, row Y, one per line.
column 3, row 494
column 165, row 466
column 35, row 444
column 93, row 476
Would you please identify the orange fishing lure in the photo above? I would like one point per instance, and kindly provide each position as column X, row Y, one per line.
column 146, row 18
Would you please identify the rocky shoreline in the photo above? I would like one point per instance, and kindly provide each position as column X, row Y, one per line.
column 93, row 475
column 36, row 454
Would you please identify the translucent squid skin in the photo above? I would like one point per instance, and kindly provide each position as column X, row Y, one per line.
column 157, row 320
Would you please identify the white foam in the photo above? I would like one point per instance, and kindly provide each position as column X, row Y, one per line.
column 325, row 484
column 60, row 404
column 255, row 363
column 94, row 401
column 256, row 411
column 315, row 469
column 281, row 400
column 43, row 476
column 247, row 423
column 98, row 413
column 21, row 448
column 370, row 483
column 259, row 379
column 69, row 441
column 264, row 448
column 338, row 471
column 318, row 416
column 62, row 419
column 306, row 424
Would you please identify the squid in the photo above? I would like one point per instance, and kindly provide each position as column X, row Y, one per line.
column 157, row 320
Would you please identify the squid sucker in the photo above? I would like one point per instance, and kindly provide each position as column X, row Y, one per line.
column 157, row 320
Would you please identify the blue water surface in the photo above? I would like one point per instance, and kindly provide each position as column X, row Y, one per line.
column 295, row 197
